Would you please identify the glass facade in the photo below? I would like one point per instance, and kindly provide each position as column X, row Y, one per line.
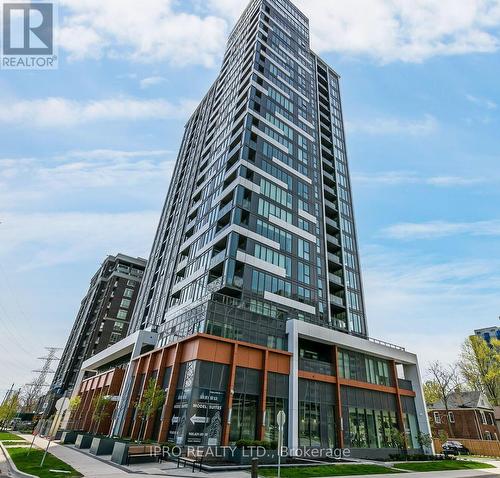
column 371, row 417
column 358, row 366
column 199, row 403
column 316, row 414
column 244, row 415
column 260, row 203
column 276, row 400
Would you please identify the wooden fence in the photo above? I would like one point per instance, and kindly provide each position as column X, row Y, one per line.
column 476, row 447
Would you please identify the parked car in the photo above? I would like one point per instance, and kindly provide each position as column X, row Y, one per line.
column 454, row 448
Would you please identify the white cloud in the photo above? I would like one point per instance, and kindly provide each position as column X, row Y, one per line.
column 62, row 112
column 395, row 30
column 103, row 173
column 482, row 102
column 151, row 81
column 426, row 304
column 394, row 126
column 402, row 30
column 393, row 178
column 143, row 32
column 439, row 229
column 47, row 239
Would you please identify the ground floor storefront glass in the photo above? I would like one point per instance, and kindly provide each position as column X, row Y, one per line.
column 316, row 414
column 198, row 409
column 245, row 410
column 370, row 419
column 276, row 400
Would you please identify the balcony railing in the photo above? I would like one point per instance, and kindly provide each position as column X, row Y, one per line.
column 405, row 384
column 310, row 365
column 337, row 300
column 334, row 258
column 332, row 223
column 335, row 279
column 217, row 258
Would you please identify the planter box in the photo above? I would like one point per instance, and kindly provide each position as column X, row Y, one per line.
column 102, row 446
column 68, row 437
column 120, row 453
column 83, row 441
column 243, row 456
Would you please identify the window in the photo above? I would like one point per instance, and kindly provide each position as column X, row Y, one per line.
column 304, row 249
column 125, row 303
column 437, row 417
column 262, row 282
column 122, row 314
column 483, row 417
column 128, row 293
column 487, row 435
column 275, row 193
column 451, row 417
column 275, row 234
column 304, row 273
column 114, row 338
column 273, row 257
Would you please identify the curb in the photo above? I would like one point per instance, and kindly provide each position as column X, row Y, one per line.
column 12, row 465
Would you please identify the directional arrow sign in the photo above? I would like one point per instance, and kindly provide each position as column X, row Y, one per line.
column 194, row 419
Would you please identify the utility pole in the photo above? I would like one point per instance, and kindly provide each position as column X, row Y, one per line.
column 8, row 394
column 37, row 386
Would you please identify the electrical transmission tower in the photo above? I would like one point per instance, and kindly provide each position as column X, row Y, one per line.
column 35, row 388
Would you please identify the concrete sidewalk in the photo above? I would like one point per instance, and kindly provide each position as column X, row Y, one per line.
column 93, row 467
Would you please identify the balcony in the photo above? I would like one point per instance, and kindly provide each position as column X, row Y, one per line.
column 332, row 223
column 334, row 279
column 330, row 205
column 328, row 189
column 218, row 258
column 310, row 365
column 224, row 210
column 332, row 240
column 337, row 301
column 334, row 258
column 405, row 384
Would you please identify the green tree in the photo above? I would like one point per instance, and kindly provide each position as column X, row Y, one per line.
column 480, row 366
column 398, row 440
column 100, row 409
column 424, row 440
column 432, row 392
column 9, row 409
column 152, row 399
column 74, row 405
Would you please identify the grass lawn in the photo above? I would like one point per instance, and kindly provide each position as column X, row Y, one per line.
column 327, row 470
column 5, row 436
column 444, row 465
column 31, row 464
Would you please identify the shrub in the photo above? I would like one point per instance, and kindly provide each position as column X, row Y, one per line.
column 268, row 445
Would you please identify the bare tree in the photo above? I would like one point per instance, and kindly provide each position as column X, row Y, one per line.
column 30, row 395
column 446, row 380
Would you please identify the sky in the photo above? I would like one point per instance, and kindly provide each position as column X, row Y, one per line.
column 87, row 151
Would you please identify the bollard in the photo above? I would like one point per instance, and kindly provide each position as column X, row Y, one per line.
column 255, row 468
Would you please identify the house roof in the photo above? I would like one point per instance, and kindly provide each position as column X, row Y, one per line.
column 463, row 400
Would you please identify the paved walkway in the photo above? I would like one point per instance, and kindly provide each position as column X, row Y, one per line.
column 93, row 467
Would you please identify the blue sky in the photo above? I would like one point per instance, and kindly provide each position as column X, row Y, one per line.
column 87, row 152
